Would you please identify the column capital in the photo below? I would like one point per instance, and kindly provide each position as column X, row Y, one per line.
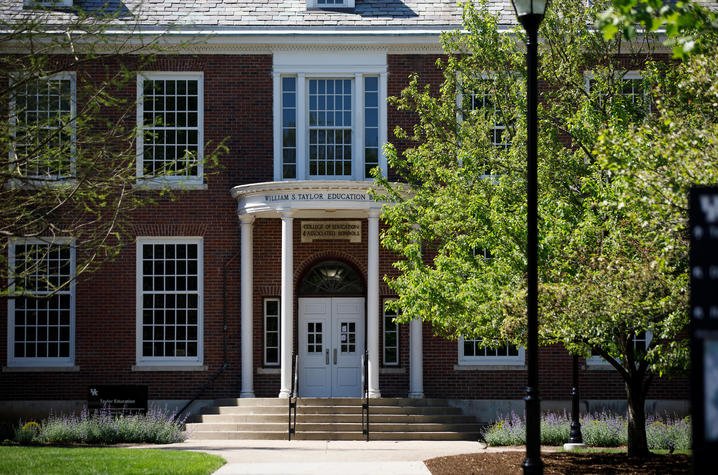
column 374, row 212
column 246, row 218
column 286, row 213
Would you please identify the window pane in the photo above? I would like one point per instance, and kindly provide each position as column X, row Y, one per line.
column 175, row 330
column 330, row 127
column 43, row 135
column 171, row 140
column 42, row 318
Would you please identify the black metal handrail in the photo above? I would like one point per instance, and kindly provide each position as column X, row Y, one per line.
column 365, row 395
column 293, row 397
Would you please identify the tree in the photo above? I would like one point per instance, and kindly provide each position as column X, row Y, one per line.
column 689, row 27
column 68, row 135
column 608, row 272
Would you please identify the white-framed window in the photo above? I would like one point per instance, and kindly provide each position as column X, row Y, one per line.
column 330, row 116
column 391, row 338
column 475, row 352
column 43, row 127
column 170, row 141
column 41, row 314
column 640, row 343
column 630, row 86
column 271, row 331
column 330, row 3
column 484, row 100
column 169, row 300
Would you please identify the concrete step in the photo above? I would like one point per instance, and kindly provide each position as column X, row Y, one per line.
column 356, row 409
column 354, row 435
column 330, row 428
column 334, row 419
column 327, row 418
column 263, row 402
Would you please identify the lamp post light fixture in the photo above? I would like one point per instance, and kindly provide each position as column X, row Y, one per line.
column 530, row 13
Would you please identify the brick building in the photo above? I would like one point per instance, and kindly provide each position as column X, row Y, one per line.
column 277, row 251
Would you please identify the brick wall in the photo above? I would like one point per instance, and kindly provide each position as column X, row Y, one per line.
column 238, row 107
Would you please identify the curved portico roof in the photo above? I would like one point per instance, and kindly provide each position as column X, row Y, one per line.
column 306, row 198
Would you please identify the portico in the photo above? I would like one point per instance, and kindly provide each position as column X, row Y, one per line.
column 311, row 200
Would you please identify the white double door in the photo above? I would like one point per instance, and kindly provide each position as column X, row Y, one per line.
column 331, row 344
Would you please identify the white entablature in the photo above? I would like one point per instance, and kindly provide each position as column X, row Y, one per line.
column 306, row 198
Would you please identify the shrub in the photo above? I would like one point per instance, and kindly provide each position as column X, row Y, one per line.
column 156, row 427
column 668, row 434
column 604, row 430
column 27, row 433
column 509, row 431
column 600, row 430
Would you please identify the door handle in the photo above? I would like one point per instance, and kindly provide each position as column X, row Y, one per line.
column 335, row 356
column 326, row 357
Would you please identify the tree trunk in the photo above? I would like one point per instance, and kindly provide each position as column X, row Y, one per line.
column 637, row 442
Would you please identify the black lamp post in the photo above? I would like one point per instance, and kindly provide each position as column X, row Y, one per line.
column 575, row 438
column 530, row 13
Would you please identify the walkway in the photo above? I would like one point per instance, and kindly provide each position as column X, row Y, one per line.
column 257, row 457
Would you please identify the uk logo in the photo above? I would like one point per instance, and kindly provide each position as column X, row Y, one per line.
column 93, row 392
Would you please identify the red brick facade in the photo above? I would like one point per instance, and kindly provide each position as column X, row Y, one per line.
column 239, row 109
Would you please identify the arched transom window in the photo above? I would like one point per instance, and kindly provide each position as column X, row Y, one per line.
column 332, row 278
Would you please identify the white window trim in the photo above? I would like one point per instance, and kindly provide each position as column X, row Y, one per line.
column 625, row 75
column 460, row 117
column 174, row 182
column 383, row 338
column 279, row 331
column 323, row 66
column 171, row 360
column 518, row 360
column 314, row 4
column 12, row 361
column 49, row 180
column 599, row 361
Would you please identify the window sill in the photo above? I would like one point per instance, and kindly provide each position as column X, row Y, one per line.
column 599, row 367
column 269, row 370
column 40, row 369
column 169, row 185
column 489, row 367
column 41, row 182
column 169, row 367
column 392, row 370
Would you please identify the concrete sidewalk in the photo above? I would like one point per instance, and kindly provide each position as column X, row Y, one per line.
column 333, row 457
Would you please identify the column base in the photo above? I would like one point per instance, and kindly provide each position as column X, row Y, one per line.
column 374, row 394
column 416, row 395
column 284, row 394
column 568, row 447
column 249, row 394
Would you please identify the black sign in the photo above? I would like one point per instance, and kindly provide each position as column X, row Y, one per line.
column 118, row 399
column 703, row 224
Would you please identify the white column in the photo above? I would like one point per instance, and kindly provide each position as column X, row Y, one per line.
column 287, row 310
column 372, row 304
column 416, row 360
column 247, row 316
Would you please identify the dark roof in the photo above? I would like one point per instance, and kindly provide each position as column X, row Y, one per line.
column 267, row 14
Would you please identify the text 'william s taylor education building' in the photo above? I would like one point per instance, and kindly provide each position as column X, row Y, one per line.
column 278, row 252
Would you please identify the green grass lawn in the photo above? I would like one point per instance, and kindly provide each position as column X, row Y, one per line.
column 81, row 460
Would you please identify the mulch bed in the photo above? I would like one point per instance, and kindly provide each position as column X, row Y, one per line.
column 509, row 463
